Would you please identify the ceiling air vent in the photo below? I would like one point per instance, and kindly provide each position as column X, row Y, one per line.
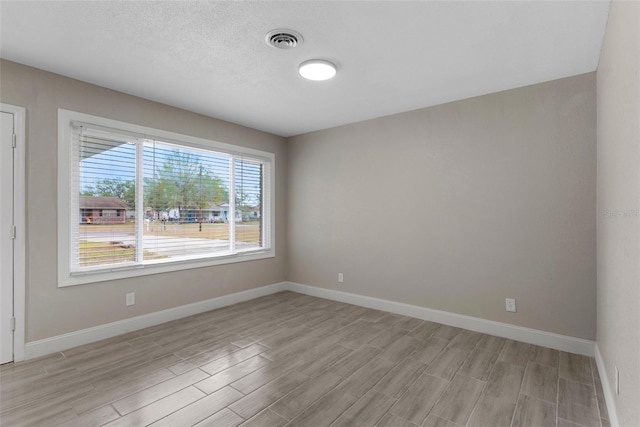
column 283, row 39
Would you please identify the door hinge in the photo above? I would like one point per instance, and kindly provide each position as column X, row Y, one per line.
column 13, row 323
column 14, row 142
column 13, row 232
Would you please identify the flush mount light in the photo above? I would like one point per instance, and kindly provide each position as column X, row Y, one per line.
column 317, row 69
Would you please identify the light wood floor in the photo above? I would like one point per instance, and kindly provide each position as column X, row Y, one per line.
column 291, row 359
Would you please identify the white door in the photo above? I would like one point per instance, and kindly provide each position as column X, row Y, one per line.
column 6, row 238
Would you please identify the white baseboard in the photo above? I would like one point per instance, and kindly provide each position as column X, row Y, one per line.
column 505, row 330
column 607, row 389
column 85, row 336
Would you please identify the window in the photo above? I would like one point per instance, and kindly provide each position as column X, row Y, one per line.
column 135, row 200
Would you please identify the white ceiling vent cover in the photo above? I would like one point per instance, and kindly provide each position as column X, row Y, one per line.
column 283, row 39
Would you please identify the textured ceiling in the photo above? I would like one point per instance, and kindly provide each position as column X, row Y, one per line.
column 211, row 57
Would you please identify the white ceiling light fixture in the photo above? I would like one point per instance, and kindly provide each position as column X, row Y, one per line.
column 317, row 69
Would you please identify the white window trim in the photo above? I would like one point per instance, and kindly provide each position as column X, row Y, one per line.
column 66, row 278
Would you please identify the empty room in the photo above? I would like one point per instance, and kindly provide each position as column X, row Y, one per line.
column 320, row 213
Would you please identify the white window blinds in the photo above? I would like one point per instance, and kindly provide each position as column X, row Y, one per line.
column 104, row 184
column 140, row 200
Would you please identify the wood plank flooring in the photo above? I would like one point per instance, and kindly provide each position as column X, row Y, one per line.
column 293, row 360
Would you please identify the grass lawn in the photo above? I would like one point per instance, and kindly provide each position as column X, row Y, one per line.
column 97, row 253
column 248, row 232
column 245, row 232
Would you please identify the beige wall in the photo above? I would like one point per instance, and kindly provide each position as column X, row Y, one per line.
column 453, row 207
column 618, row 206
column 51, row 310
column 456, row 207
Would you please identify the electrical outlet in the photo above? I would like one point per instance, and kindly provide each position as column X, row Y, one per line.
column 617, row 380
column 340, row 278
column 130, row 299
column 510, row 304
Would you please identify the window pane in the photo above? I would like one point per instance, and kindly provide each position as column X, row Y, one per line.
column 248, row 185
column 105, row 232
column 137, row 201
column 186, row 202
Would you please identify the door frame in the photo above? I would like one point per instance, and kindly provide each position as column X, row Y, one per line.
column 19, row 215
